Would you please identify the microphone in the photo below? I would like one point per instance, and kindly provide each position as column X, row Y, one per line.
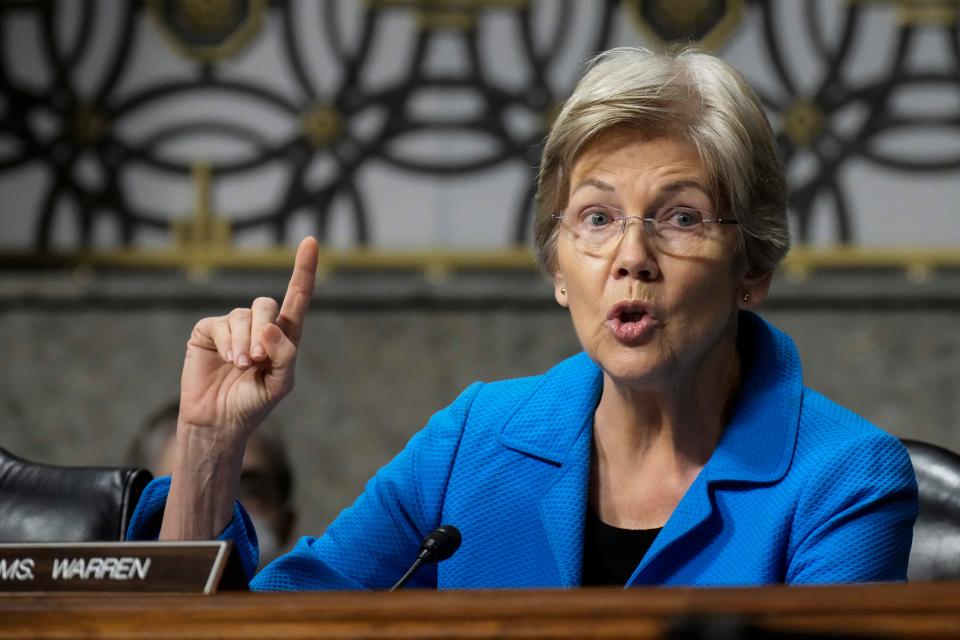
column 439, row 545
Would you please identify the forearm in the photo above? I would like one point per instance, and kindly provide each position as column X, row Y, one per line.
column 204, row 486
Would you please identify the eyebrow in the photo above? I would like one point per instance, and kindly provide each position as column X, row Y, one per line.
column 673, row 187
column 593, row 182
column 680, row 185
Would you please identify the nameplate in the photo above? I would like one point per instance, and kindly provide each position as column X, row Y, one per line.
column 140, row 567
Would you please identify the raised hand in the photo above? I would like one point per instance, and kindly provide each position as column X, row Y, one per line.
column 237, row 368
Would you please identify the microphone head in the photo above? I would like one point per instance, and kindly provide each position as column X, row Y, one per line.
column 440, row 544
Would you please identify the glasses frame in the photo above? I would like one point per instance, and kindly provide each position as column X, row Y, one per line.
column 648, row 220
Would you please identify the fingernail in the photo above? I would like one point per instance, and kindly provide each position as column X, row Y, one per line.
column 243, row 360
column 230, row 355
column 257, row 351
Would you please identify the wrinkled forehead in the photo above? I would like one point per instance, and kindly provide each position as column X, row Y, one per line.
column 632, row 160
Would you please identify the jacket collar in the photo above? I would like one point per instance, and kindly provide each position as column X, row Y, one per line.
column 759, row 441
column 548, row 422
column 554, row 423
column 756, row 446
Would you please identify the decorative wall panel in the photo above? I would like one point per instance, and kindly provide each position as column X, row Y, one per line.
column 228, row 127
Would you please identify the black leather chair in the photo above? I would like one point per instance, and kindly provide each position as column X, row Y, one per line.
column 936, row 537
column 46, row 503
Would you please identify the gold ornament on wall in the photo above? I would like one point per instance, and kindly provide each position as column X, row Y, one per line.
column 208, row 30
column 88, row 127
column 438, row 15
column 201, row 229
column 206, row 15
column 321, row 124
column 803, row 122
column 707, row 22
column 920, row 13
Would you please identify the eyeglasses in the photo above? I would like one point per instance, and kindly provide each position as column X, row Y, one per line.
column 597, row 229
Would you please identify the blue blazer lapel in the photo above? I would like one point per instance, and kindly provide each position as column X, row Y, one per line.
column 694, row 509
column 757, row 445
column 563, row 511
column 555, row 424
column 759, row 441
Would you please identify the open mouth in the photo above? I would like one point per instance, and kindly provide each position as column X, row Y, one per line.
column 629, row 311
column 631, row 321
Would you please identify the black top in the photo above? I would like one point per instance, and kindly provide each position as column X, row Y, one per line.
column 610, row 554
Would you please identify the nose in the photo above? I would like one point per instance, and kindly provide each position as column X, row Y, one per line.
column 634, row 257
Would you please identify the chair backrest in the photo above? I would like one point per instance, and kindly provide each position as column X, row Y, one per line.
column 47, row 503
column 936, row 537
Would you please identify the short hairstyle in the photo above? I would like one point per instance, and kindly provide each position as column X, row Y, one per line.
column 688, row 95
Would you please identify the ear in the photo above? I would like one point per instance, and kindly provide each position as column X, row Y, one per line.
column 560, row 288
column 757, row 284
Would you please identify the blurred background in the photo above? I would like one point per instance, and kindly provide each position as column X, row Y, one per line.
column 159, row 161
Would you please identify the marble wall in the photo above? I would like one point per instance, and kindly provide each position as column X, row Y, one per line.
column 86, row 357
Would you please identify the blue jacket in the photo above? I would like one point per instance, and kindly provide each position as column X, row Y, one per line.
column 798, row 490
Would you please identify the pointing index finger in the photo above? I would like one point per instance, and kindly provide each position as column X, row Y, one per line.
column 300, row 290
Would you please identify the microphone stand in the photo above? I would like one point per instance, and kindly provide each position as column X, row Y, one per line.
column 439, row 545
column 412, row 570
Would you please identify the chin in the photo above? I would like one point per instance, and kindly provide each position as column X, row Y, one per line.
column 637, row 366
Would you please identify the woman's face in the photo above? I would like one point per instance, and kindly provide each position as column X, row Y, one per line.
column 648, row 313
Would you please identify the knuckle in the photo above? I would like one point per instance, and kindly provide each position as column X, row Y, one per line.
column 265, row 301
column 239, row 313
column 202, row 326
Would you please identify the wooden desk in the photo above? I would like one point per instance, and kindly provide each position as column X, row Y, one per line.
column 869, row 611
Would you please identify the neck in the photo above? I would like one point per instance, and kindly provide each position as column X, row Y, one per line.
column 680, row 421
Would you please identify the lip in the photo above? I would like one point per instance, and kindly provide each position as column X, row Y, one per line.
column 632, row 332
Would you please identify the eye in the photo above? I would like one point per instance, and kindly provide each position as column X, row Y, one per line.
column 680, row 217
column 596, row 217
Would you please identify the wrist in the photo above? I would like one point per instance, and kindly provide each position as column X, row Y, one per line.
column 209, row 443
column 205, row 484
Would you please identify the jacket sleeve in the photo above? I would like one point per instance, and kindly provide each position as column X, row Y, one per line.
column 373, row 542
column 854, row 522
column 370, row 544
column 148, row 516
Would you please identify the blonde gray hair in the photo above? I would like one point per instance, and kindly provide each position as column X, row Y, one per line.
column 688, row 95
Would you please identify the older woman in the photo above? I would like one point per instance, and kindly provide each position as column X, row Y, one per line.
column 680, row 448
